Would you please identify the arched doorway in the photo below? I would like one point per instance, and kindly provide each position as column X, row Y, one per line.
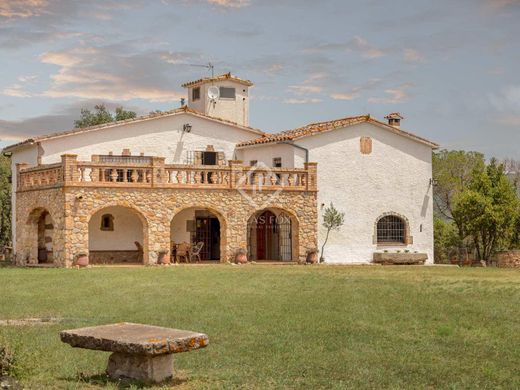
column 270, row 236
column 117, row 235
column 199, row 225
column 41, row 236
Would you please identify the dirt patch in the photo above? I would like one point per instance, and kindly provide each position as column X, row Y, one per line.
column 29, row 321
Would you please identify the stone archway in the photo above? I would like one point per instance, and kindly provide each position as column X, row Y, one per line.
column 118, row 235
column 195, row 224
column 272, row 234
column 40, row 237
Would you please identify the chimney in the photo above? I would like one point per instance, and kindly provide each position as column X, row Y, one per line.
column 394, row 119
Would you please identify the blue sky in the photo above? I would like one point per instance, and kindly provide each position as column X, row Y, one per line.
column 450, row 67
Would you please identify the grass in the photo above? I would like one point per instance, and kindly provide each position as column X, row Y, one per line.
column 278, row 326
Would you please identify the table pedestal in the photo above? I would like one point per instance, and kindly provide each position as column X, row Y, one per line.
column 140, row 367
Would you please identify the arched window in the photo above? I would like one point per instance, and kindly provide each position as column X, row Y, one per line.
column 391, row 229
column 107, row 222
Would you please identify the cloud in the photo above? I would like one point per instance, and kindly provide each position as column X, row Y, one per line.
column 302, row 101
column 498, row 4
column 12, row 9
column 396, row 95
column 304, row 89
column 344, row 96
column 112, row 73
column 60, row 120
column 230, row 3
column 356, row 44
column 508, row 99
column 411, row 55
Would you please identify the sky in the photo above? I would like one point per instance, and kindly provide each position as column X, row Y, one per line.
column 451, row 68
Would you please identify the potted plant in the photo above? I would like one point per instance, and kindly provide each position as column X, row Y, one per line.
column 241, row 256
column 164, row 257
column 81, row 260
column 312, row 256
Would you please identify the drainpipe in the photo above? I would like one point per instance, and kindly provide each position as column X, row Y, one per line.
column 297, row 147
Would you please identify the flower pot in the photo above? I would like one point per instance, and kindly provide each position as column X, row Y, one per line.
column 312, row 257
column 82, row 261
column 164, row 258
column 241, row 258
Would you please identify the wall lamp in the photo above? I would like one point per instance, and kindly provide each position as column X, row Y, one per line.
column 186, row 128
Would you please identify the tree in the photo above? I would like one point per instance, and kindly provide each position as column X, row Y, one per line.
column 101, row 115
column 122, row 114
column 452, row 173
column 445, row 237
column 5, row 200
column 332, row 220
column 487, row 209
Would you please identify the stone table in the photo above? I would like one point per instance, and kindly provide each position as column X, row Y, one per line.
column 142, row 352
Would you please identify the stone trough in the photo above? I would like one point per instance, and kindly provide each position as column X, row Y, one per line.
column 140, row 352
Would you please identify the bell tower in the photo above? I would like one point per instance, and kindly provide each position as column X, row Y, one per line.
column 224, row 97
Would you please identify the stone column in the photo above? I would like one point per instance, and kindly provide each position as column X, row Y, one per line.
column 312, row 177
column 158, row 172
column 70, row 169
column 235, row 170
column 157, row 239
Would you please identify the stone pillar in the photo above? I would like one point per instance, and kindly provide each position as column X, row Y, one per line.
column 70, row 169
column 235, row 170
column 158, row 172
column 312, row 177
column 20, row 167
column 157, row 238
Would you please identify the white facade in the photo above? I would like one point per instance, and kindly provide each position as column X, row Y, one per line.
column 393, row 178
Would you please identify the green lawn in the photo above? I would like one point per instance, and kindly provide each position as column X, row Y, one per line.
column 279, row 326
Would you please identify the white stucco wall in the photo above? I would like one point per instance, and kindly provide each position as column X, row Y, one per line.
column 159, row 137
column 267, row 153
column 128, row 228
column 395, row 177
column 178, row 231
column 235, row 110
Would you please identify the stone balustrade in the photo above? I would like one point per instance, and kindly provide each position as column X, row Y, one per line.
column 152, row 172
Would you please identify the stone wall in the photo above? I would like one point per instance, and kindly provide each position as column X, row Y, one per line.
column 508, row 259
column 72, row 207
column 115, row 257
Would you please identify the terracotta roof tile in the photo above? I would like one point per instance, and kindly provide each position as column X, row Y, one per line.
column 153, row 115
column 225, row 76
column 321, row 127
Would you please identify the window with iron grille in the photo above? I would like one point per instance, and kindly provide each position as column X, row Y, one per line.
column 227, row 93
column 391, row 229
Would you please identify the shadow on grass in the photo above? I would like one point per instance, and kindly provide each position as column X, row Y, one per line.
column 104, row 380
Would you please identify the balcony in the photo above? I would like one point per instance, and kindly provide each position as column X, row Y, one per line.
column 152, row 172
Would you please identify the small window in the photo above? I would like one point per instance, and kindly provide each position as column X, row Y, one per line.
column 390, row 230
column 253, row 163
column 195, row 94
column 277, row 162
column 107, row 222
column 365, row 145
column 227, row 93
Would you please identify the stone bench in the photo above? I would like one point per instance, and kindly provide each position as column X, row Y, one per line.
column 141, row 352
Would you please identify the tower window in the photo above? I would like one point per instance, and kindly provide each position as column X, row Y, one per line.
column 227, row 93
column 195, row 94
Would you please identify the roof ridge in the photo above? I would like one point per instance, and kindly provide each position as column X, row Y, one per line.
column 151, row 115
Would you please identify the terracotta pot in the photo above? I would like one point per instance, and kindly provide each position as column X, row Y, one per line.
column 164, row 258
column 312, row 257
column 82, row 261
column 241, row 258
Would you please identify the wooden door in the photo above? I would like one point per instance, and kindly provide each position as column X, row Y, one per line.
column 266, row 237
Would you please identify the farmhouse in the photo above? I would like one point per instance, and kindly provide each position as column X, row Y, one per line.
column 131, row 191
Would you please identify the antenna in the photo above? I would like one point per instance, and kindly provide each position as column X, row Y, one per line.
column 208, row 66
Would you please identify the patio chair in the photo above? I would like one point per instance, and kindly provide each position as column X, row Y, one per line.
column 195, row 251
column 183, row 251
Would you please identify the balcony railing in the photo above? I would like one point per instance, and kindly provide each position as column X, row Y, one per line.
column 154, row 173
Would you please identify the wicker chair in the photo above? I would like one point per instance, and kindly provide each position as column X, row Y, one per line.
column 183, row 251
column 195, row 251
